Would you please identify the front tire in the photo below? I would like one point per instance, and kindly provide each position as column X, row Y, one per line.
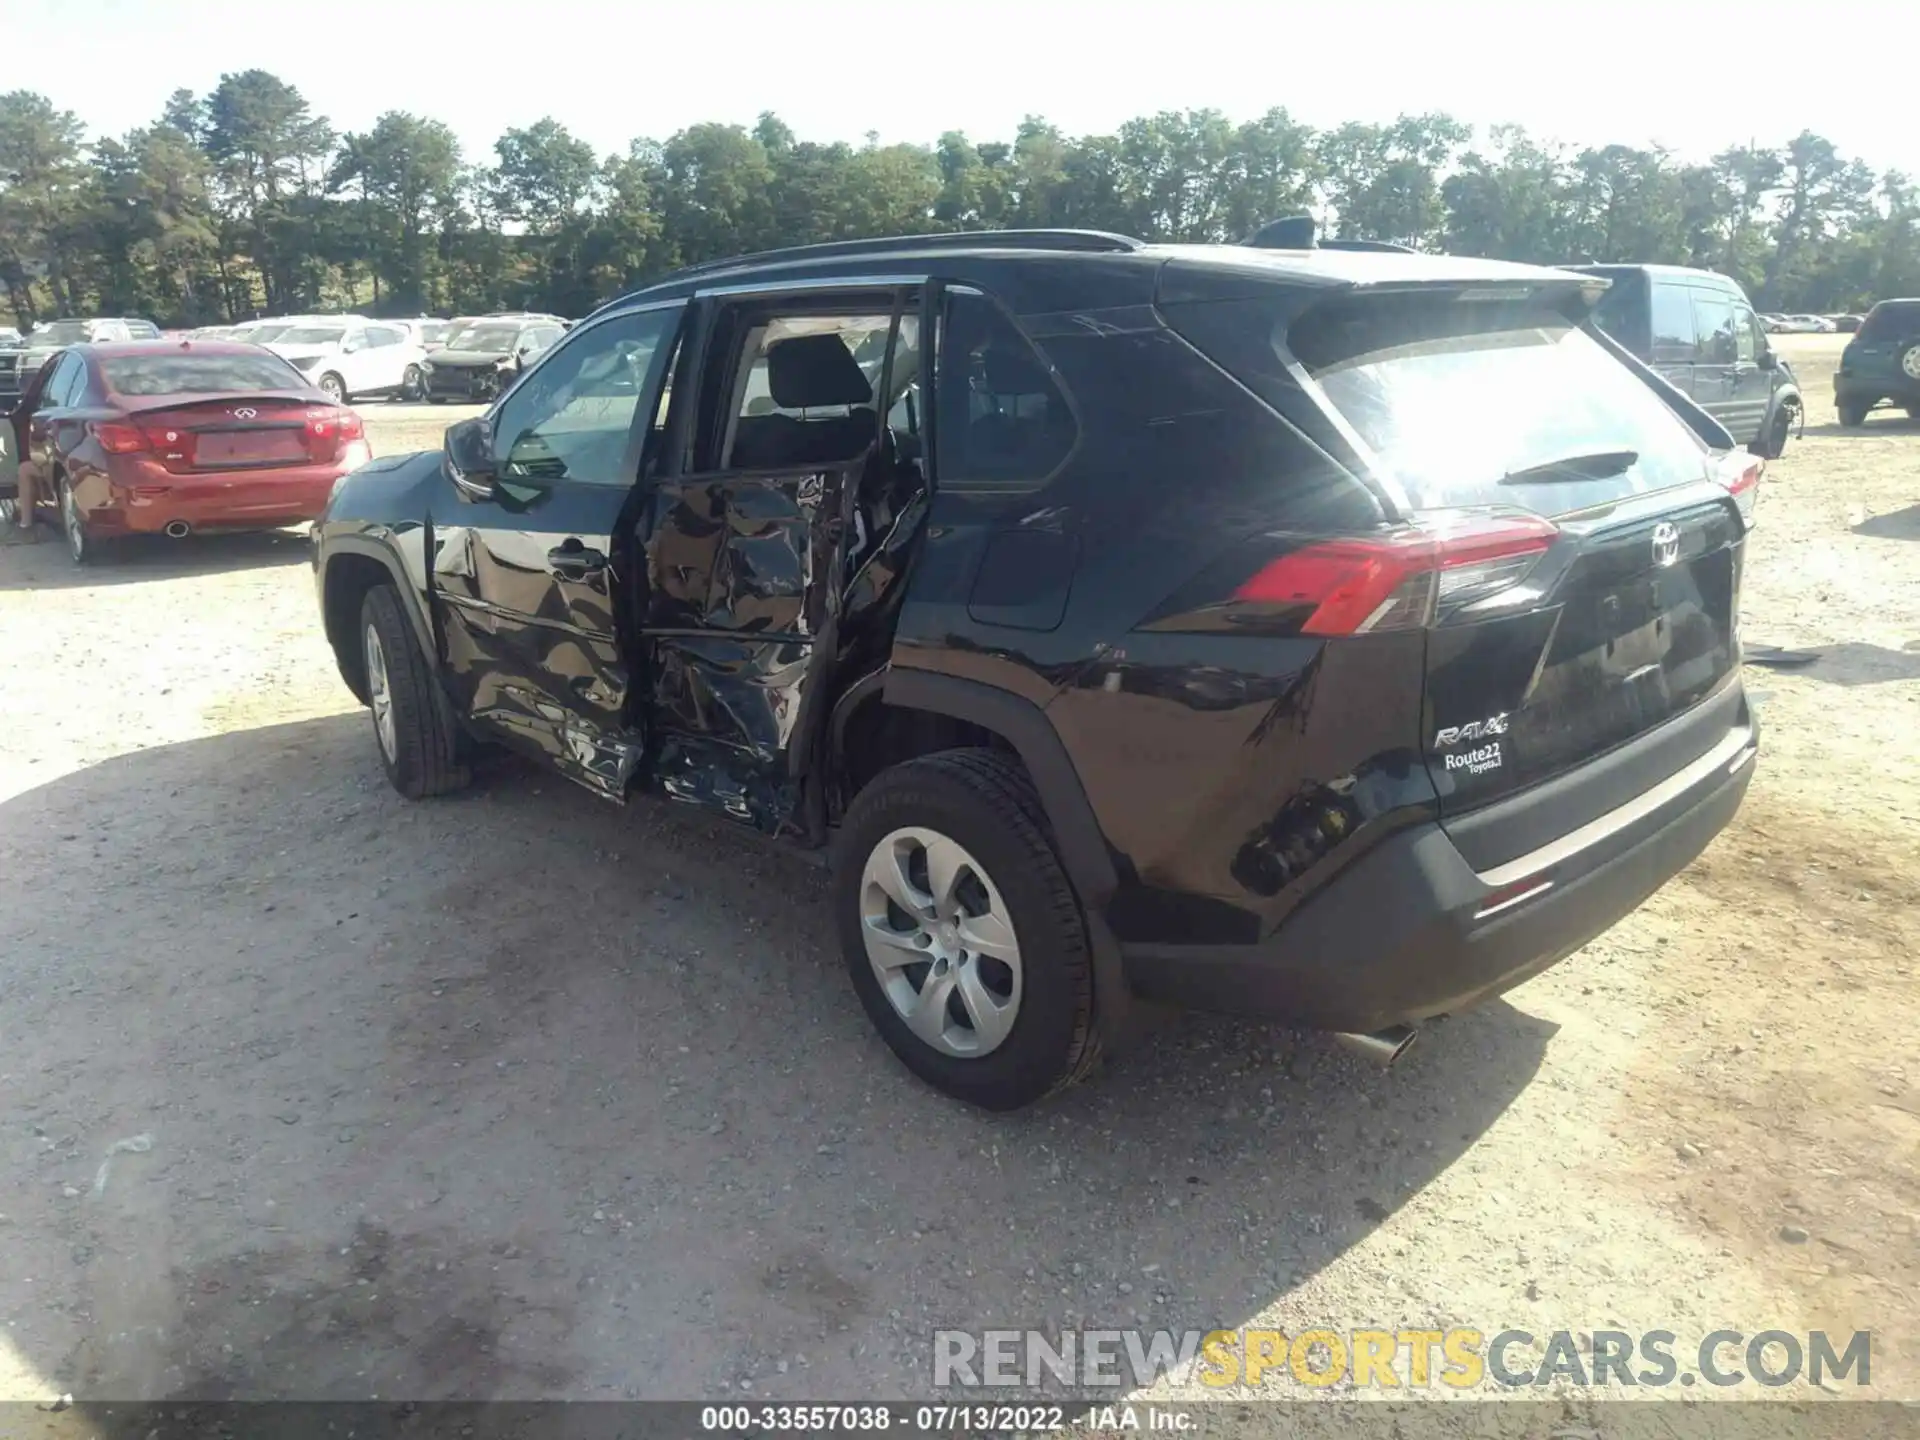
column 411, row 386
column 334, row 388
column 961, row 933
column 1773, row 444
column 412, row 728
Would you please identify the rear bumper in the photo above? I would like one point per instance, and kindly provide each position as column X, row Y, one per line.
column 1867, row 388
column 146, row 503
column 1411, row 930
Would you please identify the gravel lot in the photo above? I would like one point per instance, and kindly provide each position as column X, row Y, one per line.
column 519, row 1094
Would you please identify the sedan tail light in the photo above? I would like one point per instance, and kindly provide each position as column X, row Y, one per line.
column 118, row 439
column 330, row 429
column 1404, row 579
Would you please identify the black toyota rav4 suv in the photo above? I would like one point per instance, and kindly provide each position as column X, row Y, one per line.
column 1335, row 636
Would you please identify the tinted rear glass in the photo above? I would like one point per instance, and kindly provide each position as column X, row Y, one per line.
column 1891, row 317
column 1453, row 396
column 168, row 374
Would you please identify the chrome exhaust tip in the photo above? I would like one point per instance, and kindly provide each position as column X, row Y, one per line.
column 178, row 529
column 1383, row 1047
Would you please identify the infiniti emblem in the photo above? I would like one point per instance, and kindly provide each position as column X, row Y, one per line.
column 246, row 412
column 1666, row 543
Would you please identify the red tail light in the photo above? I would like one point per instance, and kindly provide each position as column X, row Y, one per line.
column 330, row 429
column 1740, row 473
column 118, row 439
column 1402, row 580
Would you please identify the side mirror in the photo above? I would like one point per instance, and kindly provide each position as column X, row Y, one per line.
column 1767, row 360
column 469, row 457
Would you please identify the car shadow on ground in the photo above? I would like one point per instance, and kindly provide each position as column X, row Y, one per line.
column 43, row 564
column 1888, row 421
column 517, row 1094
column 1854, row 663
column 1894, row 525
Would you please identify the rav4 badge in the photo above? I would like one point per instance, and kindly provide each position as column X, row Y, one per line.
column 1472, row 730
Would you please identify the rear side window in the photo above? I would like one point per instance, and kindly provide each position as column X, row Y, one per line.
column 1675, row 341
column 1458, row 400
column 1003, row 422
column 168, row 374
column 1891, row 319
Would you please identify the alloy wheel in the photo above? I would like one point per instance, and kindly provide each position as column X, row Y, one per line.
column 941, row 942
column 380, row 693
column 1910, row 363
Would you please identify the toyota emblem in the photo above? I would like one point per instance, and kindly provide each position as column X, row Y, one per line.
column 247, row 412
column 1666, row 543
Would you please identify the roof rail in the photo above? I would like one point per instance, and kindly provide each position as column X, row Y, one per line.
column 1080, row 240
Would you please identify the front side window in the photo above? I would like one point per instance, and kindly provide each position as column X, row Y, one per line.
column 1713, row 318
column 1747, row 344
column 1003, row 421
column 1674, row 338
column 570, row 419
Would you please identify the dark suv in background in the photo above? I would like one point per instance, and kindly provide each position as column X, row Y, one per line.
column 1881, row 364
column 1340, row 637
column 1698, row 329
column 482, row 357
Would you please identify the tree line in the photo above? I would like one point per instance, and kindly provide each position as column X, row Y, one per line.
column 244, row 202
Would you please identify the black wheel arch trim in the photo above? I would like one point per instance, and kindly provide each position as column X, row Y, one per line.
column 1083, row 847
column 384, row 555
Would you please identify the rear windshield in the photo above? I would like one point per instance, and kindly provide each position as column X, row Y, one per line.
column 198, row 374
column 1453, row 397
column 1890, row 317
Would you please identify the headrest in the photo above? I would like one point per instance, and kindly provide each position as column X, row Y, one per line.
column 1013, row 370
column 815, row 370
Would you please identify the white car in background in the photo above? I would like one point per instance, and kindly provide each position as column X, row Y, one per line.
column 354, row 357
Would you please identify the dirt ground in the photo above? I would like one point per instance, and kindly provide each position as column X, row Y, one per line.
column 518, row 1094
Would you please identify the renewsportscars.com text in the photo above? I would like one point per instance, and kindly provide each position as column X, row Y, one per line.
column 1457, row 1358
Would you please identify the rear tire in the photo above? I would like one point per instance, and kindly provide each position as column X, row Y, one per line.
column 413, row 728
column 82, row 549
column 1852, row 416
column 1913, row 412
column 976, row 809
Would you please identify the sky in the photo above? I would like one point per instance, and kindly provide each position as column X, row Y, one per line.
column 1692, row 75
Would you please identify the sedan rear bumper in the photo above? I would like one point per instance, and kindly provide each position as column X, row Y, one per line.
column 146, row 498
column 1411, row 930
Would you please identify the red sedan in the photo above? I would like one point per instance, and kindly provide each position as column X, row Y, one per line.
column 178, row 437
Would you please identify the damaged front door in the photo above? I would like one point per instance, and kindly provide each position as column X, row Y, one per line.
column 748, row 556
column 527, row 566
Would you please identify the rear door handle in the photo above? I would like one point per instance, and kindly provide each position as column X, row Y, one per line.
column 573, row 560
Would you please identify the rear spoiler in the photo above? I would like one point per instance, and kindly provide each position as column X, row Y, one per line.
column 1298, row 232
